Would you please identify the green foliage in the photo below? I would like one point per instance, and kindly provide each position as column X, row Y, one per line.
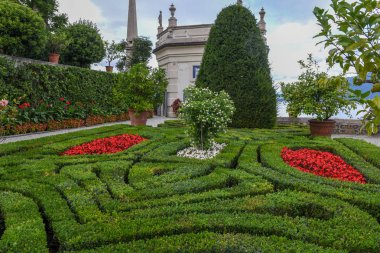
column 354, row 43
column 315, row 93
column 284, row 176
column 86, row 45
column 207, row 113
column 22, row 31
column 48, row 9
column 141, row 88
column 236, row 60
column 8, row 112
column 214, row 242
column 140, row 52
column 364, row 149
column 113, row 51
column 91, row 90
column 167, row 153
column 129, row 202
column 53, row 109
column 58, row 41
column 25, row 230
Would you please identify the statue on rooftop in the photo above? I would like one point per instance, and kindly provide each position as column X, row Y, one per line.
column 160, row 19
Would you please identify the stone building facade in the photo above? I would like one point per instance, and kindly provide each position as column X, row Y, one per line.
column 179, row 51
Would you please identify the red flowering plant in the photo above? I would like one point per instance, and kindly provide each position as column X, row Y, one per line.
column 176, row 106
column 46, row 110
column 23, row 106
column 110, row 145
column 321, row 163
column 8, row 114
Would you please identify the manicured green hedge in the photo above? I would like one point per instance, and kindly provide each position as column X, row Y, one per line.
column 236, row 61
column 24, row 227
column 92, row 89
column 145, row 199
column 168, row 153
column 264, row 160
column 213, row 242
column 369, row 152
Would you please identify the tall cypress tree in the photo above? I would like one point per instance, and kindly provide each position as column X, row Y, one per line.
column 236, row 60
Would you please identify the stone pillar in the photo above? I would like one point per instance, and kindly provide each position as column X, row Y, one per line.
column 172, row 19
column 263, row 25
column 132, row 32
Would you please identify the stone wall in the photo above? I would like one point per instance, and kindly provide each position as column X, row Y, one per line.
column 343, row 126
column 20, row 60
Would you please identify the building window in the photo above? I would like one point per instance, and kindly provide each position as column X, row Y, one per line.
column 196, row 69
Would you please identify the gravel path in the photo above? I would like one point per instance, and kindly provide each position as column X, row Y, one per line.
column 151, row 122
column 371, row 139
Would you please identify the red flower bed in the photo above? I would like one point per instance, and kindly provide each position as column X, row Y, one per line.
column 323, row 164
column 109, row 145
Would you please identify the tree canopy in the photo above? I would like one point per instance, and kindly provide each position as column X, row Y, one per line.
column 352, row 33
column 86, row 45
column 22, row 31
column 140, row 53
column 48, row 9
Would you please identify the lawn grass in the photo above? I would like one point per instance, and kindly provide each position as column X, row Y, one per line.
column 147, row 199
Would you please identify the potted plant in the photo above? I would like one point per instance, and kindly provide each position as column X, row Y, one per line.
column 113, row 52
column 139, row 89
column 207, row 114
column 58, row 41
column 318, row 94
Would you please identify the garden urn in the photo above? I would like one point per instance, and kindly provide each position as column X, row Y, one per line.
column 322, row 128
column 54, row 58
column 138, row 118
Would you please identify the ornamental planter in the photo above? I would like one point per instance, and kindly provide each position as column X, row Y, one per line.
column 322, row 128
column 109, row 69
column 138, row 119
column 54, row 58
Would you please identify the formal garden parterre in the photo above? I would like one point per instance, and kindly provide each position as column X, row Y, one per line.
column 146, row 198
column 225, row 178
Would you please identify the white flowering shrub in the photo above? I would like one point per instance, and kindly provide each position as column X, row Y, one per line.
column 207, row 113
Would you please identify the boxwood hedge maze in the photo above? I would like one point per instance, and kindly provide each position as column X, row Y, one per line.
column 146, row 199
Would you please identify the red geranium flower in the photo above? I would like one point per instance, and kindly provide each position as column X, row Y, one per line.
column 109, row 145
column 24, row 105
column 323, row 164
column 68, row 102
column 62, row 99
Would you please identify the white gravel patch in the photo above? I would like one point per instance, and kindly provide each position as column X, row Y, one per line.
column 192, row 152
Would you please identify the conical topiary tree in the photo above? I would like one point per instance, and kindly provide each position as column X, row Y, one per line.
column 236, row 60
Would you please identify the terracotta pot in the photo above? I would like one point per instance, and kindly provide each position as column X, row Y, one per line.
column 54, row 58
column 322, row 128
column 109, row 69
column 138, row 119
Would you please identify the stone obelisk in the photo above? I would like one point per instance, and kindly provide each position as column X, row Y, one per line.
column 132, row 32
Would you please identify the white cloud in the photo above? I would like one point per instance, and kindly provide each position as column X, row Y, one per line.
column 81, row 9
column 289, row 43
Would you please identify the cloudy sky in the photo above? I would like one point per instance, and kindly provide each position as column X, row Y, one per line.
column 291, row 24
